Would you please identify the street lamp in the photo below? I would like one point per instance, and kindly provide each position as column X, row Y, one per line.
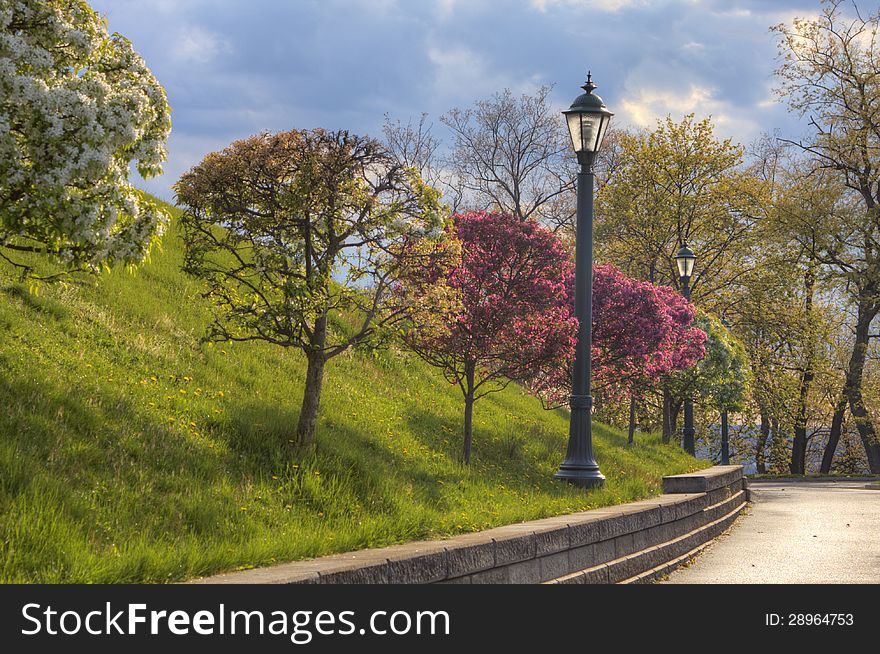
column 588, row 120
column 725, row 434
column 686, row 259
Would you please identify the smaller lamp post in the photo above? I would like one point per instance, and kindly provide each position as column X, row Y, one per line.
column 686, row 259
column 725, row 435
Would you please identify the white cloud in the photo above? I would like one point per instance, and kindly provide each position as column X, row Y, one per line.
column 195, row 45
column 444, row 9
column 459, row 72
column 646, row 106
column 788, row 17
column 174, row 6
column 736, row 13
column 378, row 6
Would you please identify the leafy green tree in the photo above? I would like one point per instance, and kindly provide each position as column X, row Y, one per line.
column 299, row 237
column 720, row 380
column 829, row 74
column 78, row 106
column 678, row 183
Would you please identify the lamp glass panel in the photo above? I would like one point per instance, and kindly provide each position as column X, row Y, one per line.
column 685, row 266
column 603, row 129
column 585, row 130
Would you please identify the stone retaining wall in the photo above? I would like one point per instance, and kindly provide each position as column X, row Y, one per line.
column 632, row 543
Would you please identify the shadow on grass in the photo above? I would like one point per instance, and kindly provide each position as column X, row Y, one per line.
column 514, row 458
column 44, row 305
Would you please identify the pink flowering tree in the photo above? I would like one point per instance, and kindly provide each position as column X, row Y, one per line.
column 641, row 332
column 686, row 342
column 492, row 307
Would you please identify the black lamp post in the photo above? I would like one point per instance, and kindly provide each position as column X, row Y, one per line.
column 686, row 259
column 725, row 434
column 588, row 120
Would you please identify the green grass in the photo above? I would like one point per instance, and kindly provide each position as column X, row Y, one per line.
column 131, row 452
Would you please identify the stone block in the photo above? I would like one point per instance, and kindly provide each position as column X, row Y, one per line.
column 552, row 541
column 525, row 572
column 627, row 567
column 662, row 533
column 493, row 576
column 367, row 574
column 640, row 540
column 702, row 481
column 418, row 564
column 581, row 558
column 623, row 546
column 584, row 531
column 512, row 546
column 604, row 551
column 574, row 578
column 469, row 554
column 719, row 495
column 691, row 504
column 676, row 548
column 555, row 565
column 626, row 522
column 597, row 575
column 653, row 557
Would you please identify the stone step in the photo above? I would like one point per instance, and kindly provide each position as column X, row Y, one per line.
column 646, row 562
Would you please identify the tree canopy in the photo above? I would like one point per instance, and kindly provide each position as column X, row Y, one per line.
column 671, row 185
column 299, row 237
column 78, row 106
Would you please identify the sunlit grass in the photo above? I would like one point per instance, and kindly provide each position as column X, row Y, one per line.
column 130, row 451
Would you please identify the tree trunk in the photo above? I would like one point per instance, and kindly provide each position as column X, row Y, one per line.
column 632, row 418
column 799, row 444
column 468, row 412
column 725, row 438
column 798, row 465
column 674, row 410
column 798, row 462
column 778, row 440
column 855, row 374
column 833, row 436
column 667, row 415
column 308, row 414
column 763, row 437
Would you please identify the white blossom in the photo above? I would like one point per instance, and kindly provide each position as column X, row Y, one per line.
column 78, row 106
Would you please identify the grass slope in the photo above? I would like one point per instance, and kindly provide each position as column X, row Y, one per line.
column 130, row 452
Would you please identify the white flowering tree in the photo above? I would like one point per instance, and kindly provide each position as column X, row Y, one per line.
column 78, row 107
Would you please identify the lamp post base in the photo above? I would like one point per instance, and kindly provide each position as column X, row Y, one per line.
column 582, row 476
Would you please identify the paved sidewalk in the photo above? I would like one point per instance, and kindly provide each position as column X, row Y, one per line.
column 797, row 532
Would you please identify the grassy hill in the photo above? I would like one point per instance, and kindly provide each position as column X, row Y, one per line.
column 131, row 452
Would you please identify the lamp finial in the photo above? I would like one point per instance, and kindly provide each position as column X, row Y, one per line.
column 589, row 87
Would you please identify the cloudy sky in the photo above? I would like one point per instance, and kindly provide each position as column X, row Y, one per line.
column 237, row 67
